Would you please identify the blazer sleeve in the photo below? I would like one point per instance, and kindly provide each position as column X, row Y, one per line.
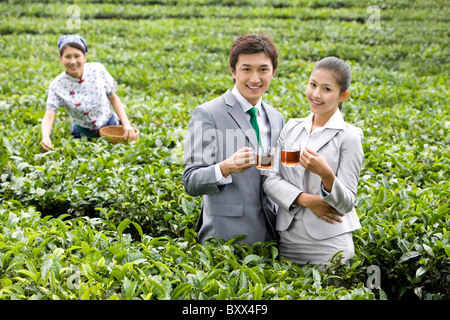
column 343, row 193
column 199, row 155
column 280, row 190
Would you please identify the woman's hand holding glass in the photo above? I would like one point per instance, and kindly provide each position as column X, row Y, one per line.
column 315, row 163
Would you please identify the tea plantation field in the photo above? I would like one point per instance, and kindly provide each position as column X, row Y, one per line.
column 92, row 220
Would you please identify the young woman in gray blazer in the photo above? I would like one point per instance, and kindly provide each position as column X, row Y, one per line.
column 316, row 197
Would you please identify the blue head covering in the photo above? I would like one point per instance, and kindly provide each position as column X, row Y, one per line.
column 72, row 38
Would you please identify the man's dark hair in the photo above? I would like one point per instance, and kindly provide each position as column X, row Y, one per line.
column 253, row 43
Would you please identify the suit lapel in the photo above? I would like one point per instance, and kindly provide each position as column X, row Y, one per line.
column 274, row 127
column 315, row 143
column 237, row 113
column 332, row 127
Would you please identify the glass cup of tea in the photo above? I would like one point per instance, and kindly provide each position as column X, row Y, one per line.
column 290, row 154
column 264, row 157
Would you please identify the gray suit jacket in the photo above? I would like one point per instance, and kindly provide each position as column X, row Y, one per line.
column 340, row 144
column 218, row 129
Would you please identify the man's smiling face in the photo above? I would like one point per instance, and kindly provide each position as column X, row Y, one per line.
column 253, row 74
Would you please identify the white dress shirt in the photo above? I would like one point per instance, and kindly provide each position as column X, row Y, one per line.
column 263, row 121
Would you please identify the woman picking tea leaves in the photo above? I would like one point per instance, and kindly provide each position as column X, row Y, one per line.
column 86, row 91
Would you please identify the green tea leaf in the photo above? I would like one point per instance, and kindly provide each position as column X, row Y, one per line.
column 46, row 267
column 123, row 225
column 408, row 255
column 258, row 291
column 447, row 250
column 181, row 289
column 129, row 288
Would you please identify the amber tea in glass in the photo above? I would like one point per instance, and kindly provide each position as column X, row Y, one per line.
column 264, row 157
column 290, row 155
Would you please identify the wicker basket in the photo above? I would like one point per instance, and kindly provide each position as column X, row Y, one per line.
column 115, row 134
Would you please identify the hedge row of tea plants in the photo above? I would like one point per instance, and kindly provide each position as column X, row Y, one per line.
column 92, row 258
column 92, row 220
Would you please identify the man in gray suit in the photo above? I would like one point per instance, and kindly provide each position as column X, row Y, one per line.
column 218, row 148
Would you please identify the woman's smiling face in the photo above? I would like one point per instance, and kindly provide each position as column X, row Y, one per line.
column 323, row 92
column 73, row 60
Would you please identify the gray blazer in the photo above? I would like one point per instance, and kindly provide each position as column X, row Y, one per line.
column 340, row 144
column 217, row 129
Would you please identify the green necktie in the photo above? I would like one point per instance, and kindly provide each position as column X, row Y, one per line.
column 253, row 111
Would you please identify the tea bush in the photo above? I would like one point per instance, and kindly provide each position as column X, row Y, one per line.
column 92, row 220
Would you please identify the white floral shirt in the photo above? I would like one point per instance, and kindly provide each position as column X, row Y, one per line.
column 85, row 100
